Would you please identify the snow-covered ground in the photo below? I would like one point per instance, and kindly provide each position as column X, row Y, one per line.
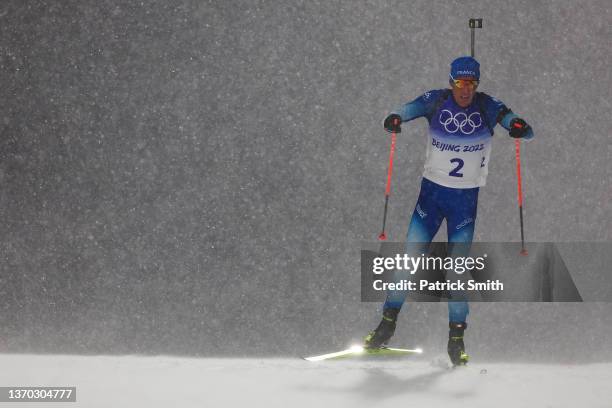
column 134, row 381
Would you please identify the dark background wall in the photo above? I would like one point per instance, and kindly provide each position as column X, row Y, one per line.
column 196, row 177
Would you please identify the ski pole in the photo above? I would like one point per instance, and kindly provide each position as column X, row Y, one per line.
column 382, row 235
column 517, row 143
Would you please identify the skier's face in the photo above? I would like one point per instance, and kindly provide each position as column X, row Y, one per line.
column 464, row 91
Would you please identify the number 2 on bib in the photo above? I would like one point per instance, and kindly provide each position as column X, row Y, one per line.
column 455, row 172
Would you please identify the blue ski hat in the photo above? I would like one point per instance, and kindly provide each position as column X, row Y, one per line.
column 465, row 67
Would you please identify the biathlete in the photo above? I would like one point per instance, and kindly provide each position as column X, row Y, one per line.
column 461, row 123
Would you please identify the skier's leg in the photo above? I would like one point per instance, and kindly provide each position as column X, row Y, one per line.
column 461, row 220
column 424, row 224
column 458, row 308
column 461, row 214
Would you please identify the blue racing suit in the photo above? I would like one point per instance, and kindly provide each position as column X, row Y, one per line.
column 455, row 168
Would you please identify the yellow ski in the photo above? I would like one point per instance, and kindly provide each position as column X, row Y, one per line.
column 360, row 351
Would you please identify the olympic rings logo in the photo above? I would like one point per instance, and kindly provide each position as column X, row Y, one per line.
column 460, row 121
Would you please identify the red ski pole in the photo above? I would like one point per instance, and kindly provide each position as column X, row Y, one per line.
column 520, row 193
column 382, row 235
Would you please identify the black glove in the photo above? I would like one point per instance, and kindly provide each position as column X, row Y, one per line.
column 392, row 123
column 519, row 128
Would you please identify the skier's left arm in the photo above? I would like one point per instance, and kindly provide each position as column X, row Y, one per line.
column 515, row 125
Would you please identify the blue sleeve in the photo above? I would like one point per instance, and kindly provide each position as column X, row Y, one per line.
column 498, row 112
column 421, row 106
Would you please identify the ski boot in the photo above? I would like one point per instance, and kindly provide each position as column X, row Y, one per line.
column 456, row 348
column 380, row 337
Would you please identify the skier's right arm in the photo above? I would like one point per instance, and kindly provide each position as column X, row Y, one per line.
column 421, row 106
